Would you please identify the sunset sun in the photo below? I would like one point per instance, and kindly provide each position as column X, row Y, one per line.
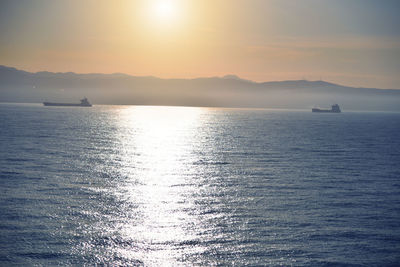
column 164, row 11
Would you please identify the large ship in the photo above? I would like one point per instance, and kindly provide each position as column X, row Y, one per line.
column 84, row 103
column 335, row 109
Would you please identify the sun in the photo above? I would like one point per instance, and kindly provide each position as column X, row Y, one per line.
column 164, row 16
column 165, row 10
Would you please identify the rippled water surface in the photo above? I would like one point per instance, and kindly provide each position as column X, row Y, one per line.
column 170, row 186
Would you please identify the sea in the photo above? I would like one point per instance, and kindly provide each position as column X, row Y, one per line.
column 187, row 186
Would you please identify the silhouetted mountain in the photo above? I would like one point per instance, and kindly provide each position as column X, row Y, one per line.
column 228, row 91
column 235, row 77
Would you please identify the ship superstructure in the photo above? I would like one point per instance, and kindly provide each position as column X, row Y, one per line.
column 334, row 109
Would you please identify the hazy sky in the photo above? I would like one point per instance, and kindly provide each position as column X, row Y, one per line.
column 351, row 42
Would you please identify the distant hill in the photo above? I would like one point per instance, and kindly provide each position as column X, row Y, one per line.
column 228, row 91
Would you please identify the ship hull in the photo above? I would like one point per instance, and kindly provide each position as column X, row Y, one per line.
column 324, row 110
column 65, row 104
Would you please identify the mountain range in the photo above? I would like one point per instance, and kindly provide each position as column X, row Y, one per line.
column 228, row 91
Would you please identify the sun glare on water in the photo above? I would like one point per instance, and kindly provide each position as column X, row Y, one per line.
column 157, row 148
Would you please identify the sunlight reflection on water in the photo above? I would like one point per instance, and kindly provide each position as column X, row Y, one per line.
column 157, row 144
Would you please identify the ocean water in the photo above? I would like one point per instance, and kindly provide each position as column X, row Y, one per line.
column 180, row 186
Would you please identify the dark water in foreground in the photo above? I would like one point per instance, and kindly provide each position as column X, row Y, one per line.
column 166, row 186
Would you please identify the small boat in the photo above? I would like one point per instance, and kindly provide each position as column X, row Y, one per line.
column 335, row 109
column 84, row 103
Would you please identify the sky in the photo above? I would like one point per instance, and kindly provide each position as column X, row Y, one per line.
column 349, row 42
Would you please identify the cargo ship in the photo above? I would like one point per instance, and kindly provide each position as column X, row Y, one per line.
column 84, row 103
column 335, row 109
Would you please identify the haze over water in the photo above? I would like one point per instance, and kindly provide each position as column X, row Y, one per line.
column 168, row 186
